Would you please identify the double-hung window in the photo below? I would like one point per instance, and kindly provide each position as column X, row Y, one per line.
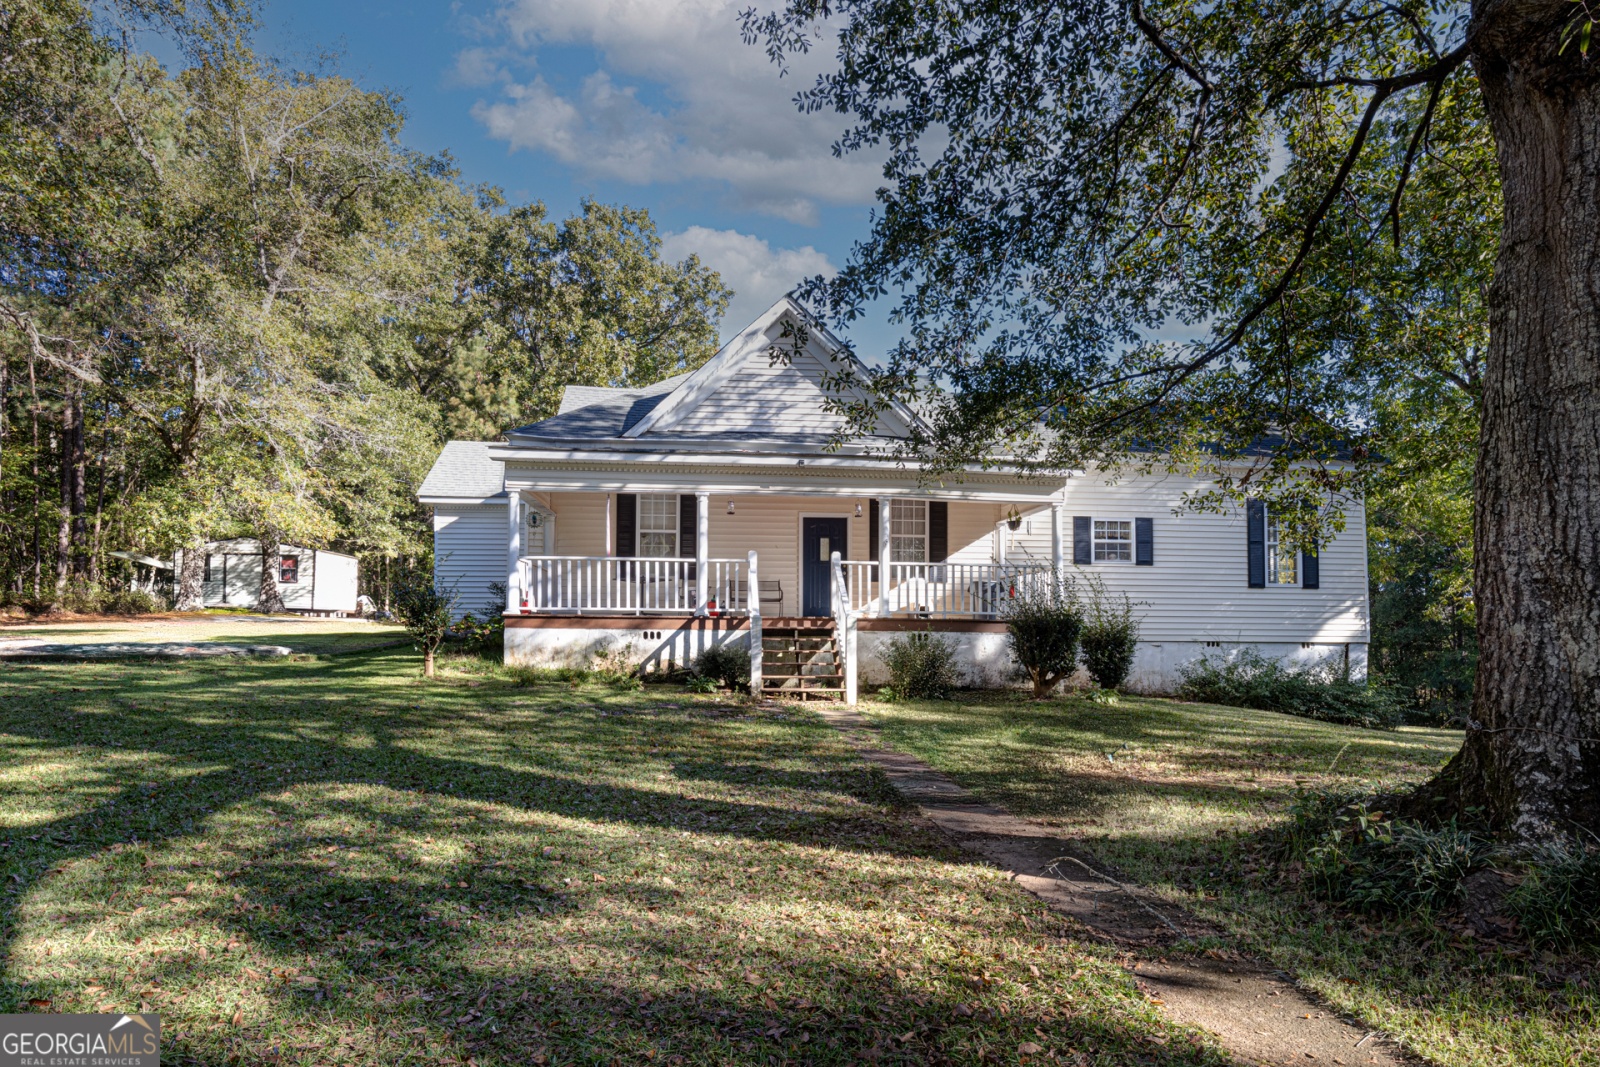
column 288, row 570
column 658, row 524
column 908, row 531
column 1281, row 556
column 1113, row 541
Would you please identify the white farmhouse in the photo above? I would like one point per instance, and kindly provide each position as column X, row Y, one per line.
column 708, row 508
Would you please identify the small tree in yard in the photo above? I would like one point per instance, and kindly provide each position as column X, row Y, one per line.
column 1043, row 623
column 1110, row 638
column 425, row 610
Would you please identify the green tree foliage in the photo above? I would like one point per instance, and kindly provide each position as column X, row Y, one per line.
column 233, row 303
column 1112, row 232
column 425, row 610
column 1256, row 241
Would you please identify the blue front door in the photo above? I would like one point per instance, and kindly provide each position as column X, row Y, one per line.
column 819, row 539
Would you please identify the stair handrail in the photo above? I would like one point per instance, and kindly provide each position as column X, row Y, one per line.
column 753, row 607
column 844, row 627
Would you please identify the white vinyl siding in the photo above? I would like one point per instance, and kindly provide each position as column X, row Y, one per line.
column 470, row 553
column 763, row 399
column 580, row 523
column 1199, row 590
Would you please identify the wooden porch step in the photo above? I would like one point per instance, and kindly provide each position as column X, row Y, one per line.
column 801, row 659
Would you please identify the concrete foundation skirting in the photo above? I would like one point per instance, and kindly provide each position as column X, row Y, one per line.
column 1158, row 665
column 983, row 655
column 655, row 644
column 984, row 661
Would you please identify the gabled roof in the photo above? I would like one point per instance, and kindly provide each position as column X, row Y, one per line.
column 633, row 416
column 465, row 471
column 731, row 358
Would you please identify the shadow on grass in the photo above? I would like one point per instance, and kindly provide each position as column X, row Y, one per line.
column 330, row 861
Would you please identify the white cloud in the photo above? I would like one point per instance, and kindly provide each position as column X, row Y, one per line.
column 757, row 273
column 726, row 118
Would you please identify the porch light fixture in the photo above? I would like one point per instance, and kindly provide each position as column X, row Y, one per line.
column 858, row 509
column 730, row 507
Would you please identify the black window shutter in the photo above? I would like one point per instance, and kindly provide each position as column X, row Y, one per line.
column 872, row 530
column 938, row 531
column 627, row 524
column 1255, row 515
column 1082, row 540
column 1144, row 542
column 688, row 524
column 1310, row 575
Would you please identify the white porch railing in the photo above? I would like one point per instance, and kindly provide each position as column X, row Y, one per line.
column 632, row 585
column 936, row 590
column 958, row 590
column 860, row 579
column 921, row 590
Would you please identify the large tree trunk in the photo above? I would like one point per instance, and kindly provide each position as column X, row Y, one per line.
column 270, row 600
column 64, row 506
column 190, row 592
column 1531, row 761
column 80, row 486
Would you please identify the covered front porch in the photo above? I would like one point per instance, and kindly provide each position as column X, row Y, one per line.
column 708, row 554
column 791, row 576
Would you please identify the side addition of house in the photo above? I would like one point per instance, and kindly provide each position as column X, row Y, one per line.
column 710, row 508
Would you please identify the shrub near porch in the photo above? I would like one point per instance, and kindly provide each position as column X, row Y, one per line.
column 1182, row 798
column 330, row 861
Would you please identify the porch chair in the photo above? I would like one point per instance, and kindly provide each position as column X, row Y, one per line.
column 768, row 591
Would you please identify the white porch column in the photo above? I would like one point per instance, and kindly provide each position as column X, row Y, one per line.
column 702, row 550
column 513, row 552
column 885, row 506
column 1058, row 542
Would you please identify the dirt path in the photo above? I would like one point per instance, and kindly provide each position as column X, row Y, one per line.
column 1256, row 1012
column 190, row 635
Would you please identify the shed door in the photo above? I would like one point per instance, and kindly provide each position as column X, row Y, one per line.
column 819, row 539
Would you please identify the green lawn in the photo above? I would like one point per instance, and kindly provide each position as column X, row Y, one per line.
column 323, row 861
column 1177, row 796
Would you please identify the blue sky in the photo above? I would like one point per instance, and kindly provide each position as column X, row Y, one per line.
column 653, row 103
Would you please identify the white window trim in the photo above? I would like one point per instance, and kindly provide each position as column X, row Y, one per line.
column 1095, row 542
column 893, row 537
column 1271, row 540
column 640, row 531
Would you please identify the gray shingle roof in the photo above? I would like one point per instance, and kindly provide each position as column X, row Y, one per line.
column 588, row 411
column 465, row 470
